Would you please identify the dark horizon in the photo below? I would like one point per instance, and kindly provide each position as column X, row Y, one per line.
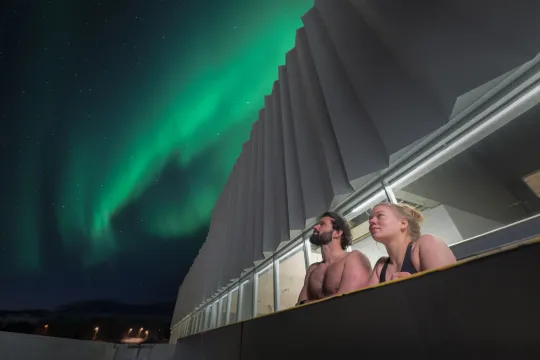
column 99, row 305
column 77, row 320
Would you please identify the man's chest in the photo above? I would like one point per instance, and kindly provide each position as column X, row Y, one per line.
column 325, row 280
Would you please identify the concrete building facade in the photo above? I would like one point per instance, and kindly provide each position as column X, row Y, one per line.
column 430, row 103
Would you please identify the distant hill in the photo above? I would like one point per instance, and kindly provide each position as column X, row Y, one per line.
column 78, row 320
column 100, row 307
column 116, row 308
column 30, row 312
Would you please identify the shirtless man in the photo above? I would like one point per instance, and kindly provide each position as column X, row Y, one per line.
column 340, row 271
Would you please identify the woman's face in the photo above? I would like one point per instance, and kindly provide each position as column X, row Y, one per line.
column 384, row 224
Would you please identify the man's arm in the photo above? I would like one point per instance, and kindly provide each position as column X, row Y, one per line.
column 304, row 293
column 434, row 253
column 356, row 273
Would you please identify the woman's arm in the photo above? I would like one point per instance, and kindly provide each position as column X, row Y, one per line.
column 434, row 253
column 376, row 273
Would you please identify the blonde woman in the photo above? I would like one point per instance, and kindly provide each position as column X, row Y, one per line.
column 397, row 227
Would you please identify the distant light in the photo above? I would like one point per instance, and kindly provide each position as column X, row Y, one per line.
column 97, row 328
column 132, row 340
column 46, row 326
column 130, row 329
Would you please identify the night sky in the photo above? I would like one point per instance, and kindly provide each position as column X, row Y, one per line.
column 120, row 122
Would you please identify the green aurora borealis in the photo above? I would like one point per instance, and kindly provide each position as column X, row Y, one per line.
column 186, row 106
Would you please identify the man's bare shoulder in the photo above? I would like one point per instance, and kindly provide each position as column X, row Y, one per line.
column 359, row 258
column 356, row 255
column 313, row 266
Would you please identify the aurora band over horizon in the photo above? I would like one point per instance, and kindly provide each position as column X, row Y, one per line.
column 193, row 121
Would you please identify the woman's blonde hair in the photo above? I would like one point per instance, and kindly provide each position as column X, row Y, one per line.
column 414, row 218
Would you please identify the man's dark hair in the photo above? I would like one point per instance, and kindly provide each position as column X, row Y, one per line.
column 339, row 223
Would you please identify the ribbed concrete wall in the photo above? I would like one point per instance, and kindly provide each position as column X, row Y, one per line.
column 15, row 346
column 365, row 79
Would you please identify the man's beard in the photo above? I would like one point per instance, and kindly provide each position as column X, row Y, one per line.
column 321, row 239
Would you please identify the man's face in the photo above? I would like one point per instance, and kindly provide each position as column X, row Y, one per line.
column 322, row 232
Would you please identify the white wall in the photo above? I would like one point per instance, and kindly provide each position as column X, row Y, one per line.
column 14, row 346
column 464, row 183
column 160, row 352
column 438, row 222
column 316, row 255
column 146, row 352
column 372, row 249
column 292, row 272
column 470, row 225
